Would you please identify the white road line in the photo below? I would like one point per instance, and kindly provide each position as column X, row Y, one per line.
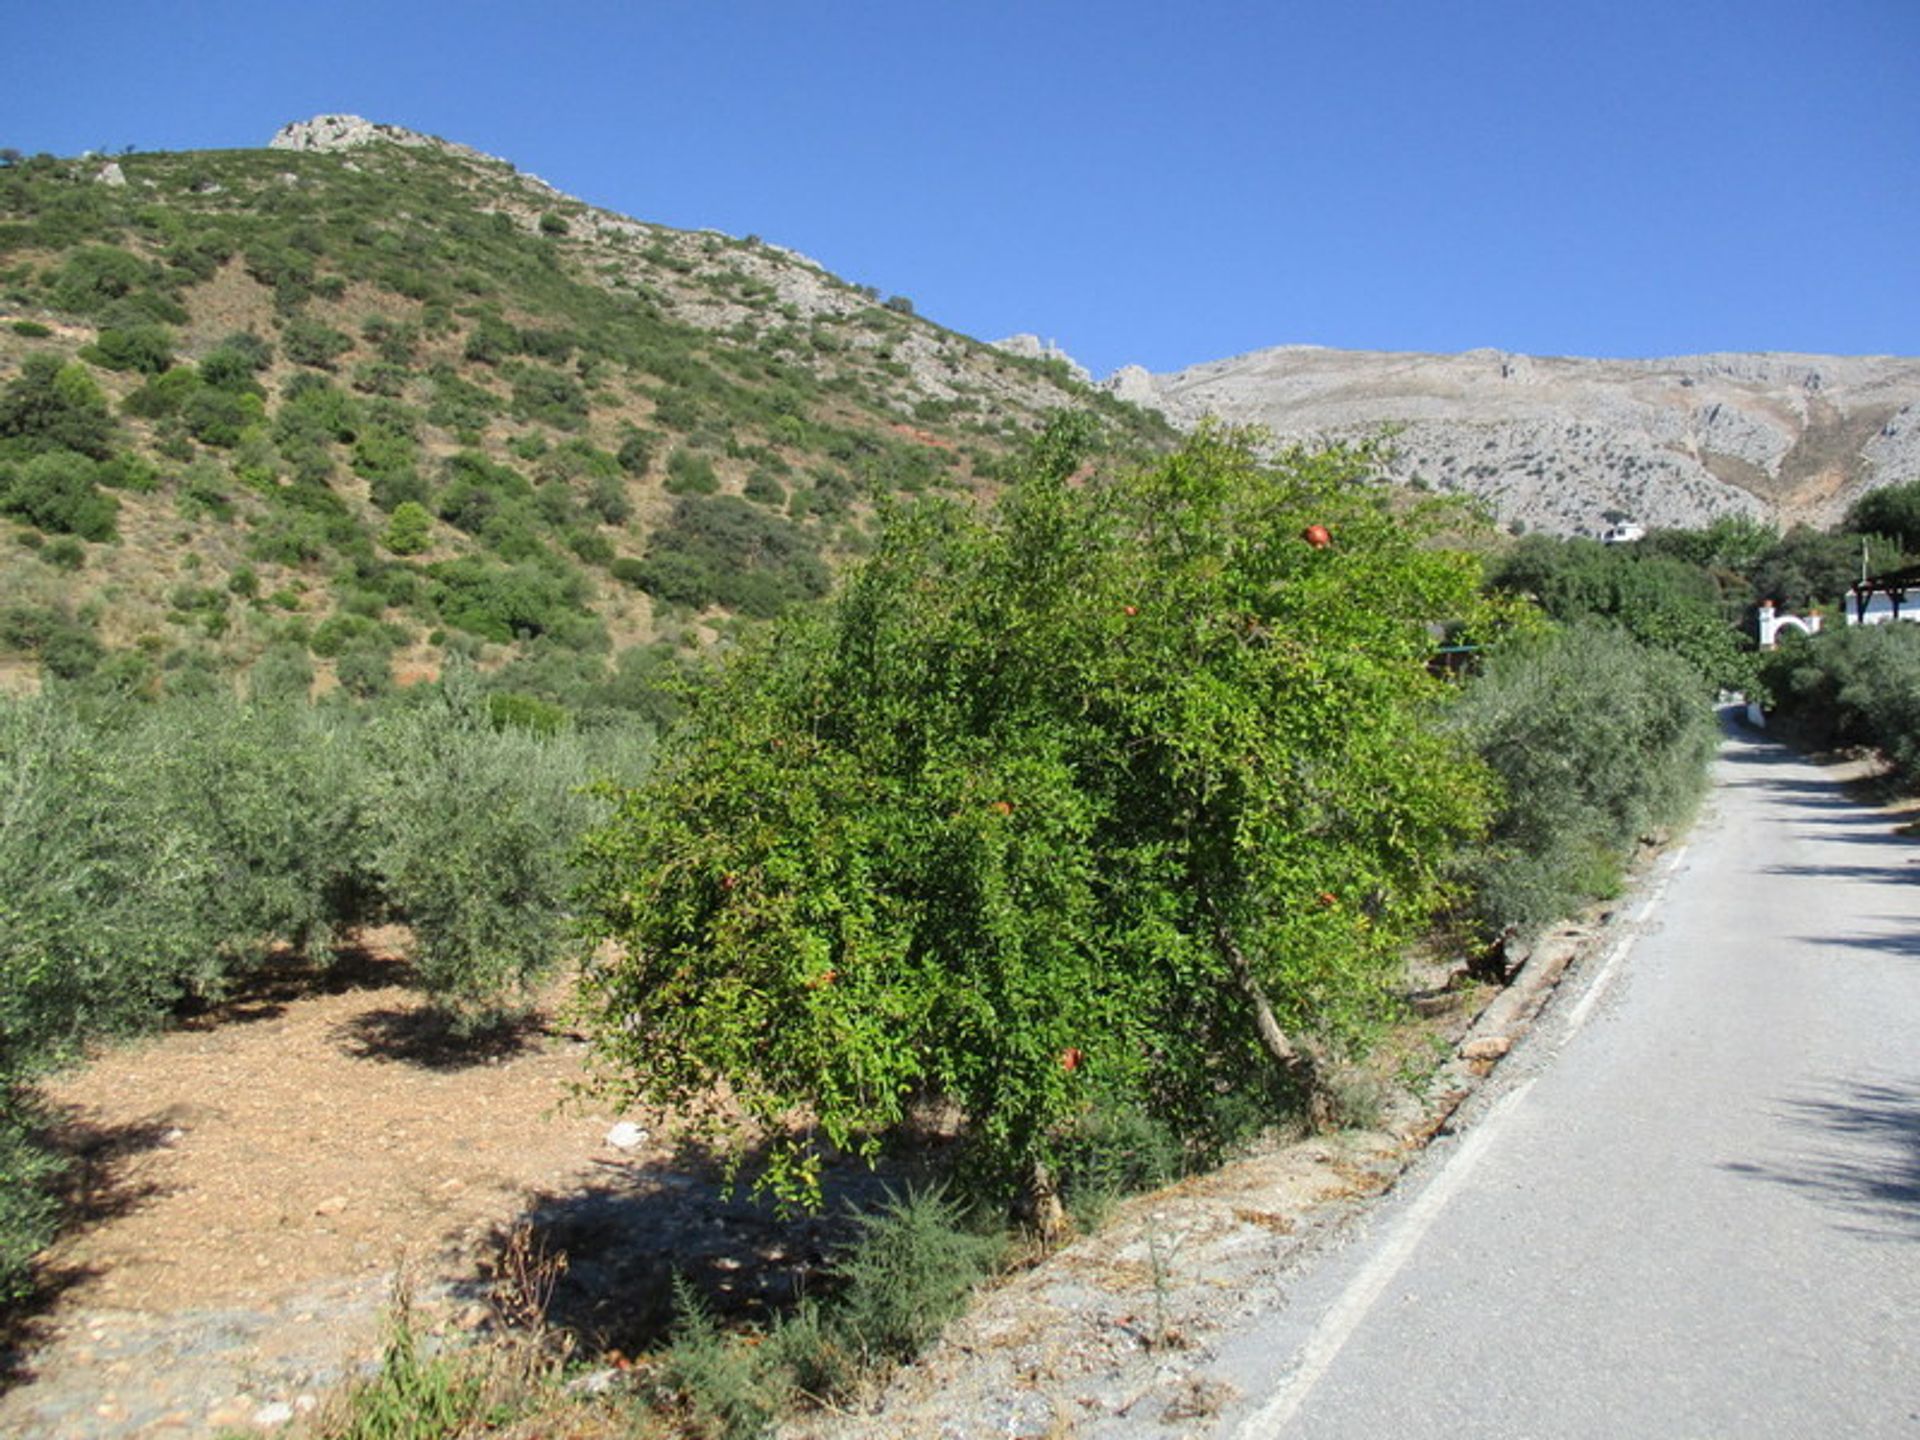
column 1577, row 1016
column 1339, row 1323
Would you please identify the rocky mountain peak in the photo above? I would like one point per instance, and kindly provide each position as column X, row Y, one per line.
column 1567, row 445
column 334, row 133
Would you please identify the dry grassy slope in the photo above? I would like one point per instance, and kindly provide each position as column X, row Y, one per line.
column 1555, row 444
column 746, row 353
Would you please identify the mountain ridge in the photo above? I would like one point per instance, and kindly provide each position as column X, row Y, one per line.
column 1567, row 444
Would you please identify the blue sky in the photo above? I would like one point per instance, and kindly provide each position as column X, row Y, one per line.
column 1145, row 183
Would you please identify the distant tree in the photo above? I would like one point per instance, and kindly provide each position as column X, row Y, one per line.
column 1813, row 567
column 51, row 406
column 1664, row 601
column 1893, row 512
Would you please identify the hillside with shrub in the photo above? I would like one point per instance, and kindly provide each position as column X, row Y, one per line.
column 341, row 414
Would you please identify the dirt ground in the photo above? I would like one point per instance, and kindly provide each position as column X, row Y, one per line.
column 250, row 1183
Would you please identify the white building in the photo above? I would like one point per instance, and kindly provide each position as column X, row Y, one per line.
column 1878, row 600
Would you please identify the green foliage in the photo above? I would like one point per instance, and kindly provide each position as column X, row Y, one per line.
column 727, row 1389
column 906, row 1276
column 1893, row 511
column 1662, row 600
column 505, row 603
column 95, row 276
column 410, row 529
column 233, row 366
column 220, row 417
column 477, row 490
column 1046, row 809
column 549, row 396
column 268, row 809
column 1851, row 685
column 909, row 1274
column 417, row 1393
column 308, row 342
column 474, row 824
column 95, row 927
column 165, row 394
column 722, row 550
column 29, row 1212
column 58, row 492
column 283, row 672
column 635, row 453
column 1598, row 740
column 51, row 406
column 1811, row 567
column 145, row 348
column 763, row 488
column 690, row 473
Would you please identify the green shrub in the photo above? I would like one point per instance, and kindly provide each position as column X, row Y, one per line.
column 728, row 1389
column 910, row 1273
column 29, row 1210
column 410, row 530
column 233, row 366
column 423, row 1393
column 164, row 394
column 477, row 489
column 58, row 492
column 54, row 406
column 1850, row 686
column 1038, row 814
column 388, row 459
column 502, row 603
column 635, row 453
column 475, row 828
column 220, row 417
column 65, row 553
column 282, row 673
column 690, row 473
column 1598, row 740
column 97, row 934
column 608, row 500
column 145, row 348
column 763, row 488
column 722, row 550
column 1666, row 602
column 549, row 396
column 95, row 276
column 31, row 329
column 905, row 1277
column 310, row 343
column 338, row 631
column 267, row 804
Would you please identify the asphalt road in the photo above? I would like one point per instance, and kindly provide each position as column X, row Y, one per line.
column 1690, row 1206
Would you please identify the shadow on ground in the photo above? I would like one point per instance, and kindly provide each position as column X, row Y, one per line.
column 1862, row 1158
column 266, row 992
column 433, row 1040
column 99, row 1181
column 626, row 1240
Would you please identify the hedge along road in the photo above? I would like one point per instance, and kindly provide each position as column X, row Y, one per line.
column 1691, row 1207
